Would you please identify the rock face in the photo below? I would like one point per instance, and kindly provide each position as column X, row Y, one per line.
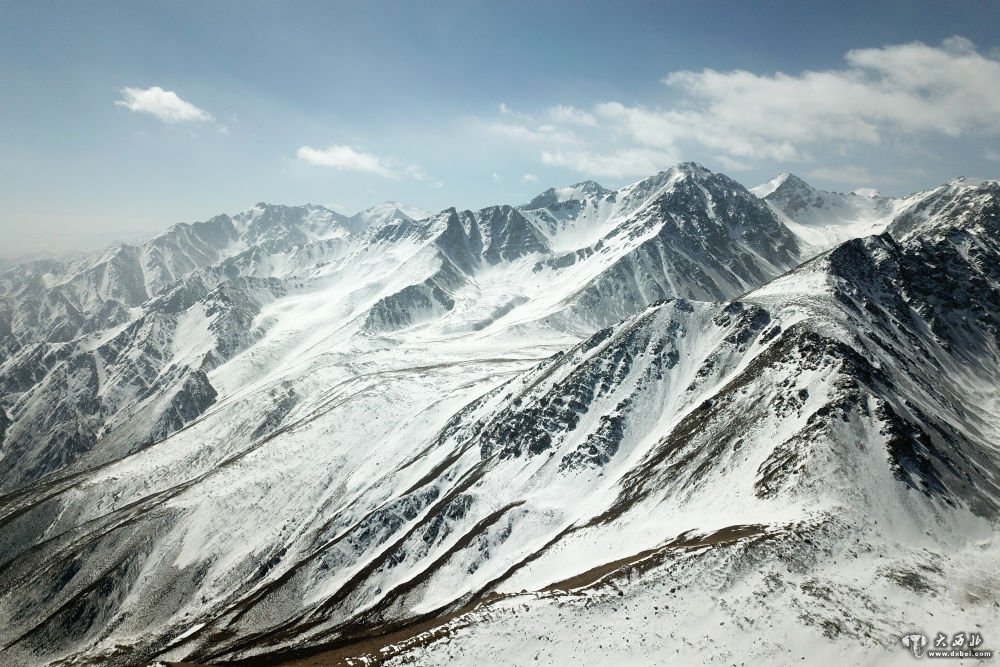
column 713, row 241
column 553, row 422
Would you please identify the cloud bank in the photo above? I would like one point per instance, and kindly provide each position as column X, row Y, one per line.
column 897, row 92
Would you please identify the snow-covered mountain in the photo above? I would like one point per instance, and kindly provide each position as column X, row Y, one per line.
column 385, row 213
column 592, row 423
column 823, row 219
column 109, row 351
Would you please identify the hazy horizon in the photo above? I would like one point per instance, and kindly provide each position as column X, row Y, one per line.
column 103, row 240
column 121, row 119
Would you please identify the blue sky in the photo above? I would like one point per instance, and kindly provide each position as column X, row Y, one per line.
column 119, row 118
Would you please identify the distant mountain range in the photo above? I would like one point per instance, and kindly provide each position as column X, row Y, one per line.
column 681, row 421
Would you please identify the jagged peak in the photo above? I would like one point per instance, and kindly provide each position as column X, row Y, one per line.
column 503, row 208
column 972, row 182
column 576, row 192
column 690, row 168
column 264, row 208
column 590, row 187
column 683, row 171
column 787, row 183
column 392, row 208
column 783, row 182
column 958, row 204
column 679, row 171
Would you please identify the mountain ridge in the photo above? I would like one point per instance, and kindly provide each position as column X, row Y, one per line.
column 328, row 434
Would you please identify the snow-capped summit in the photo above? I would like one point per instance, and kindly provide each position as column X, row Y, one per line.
column 385, row 213
column 793, row 181
column 277, row 226
column 574, row 193
column 961, row 204
column 580, row 215
column 821, row 218
column 793, row 194
column 590, row 188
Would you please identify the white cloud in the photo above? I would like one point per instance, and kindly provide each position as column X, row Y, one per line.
column 506, row 110
column 496, row 177
column 847, row 175
column 613, row 164
column 409, row 170
column 907, row 89
column 572, row 116
column 892, row 96
column 539, row 134
column 346, row 158
column 666, row 130
column 164, row 104
column 732, row 164
column 529, row 178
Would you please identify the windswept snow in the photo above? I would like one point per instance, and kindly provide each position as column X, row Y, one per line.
column 825, row 219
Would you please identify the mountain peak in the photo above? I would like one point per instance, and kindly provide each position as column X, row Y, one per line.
column 387, row 212
column 667, row 178
column 389, row 205
column 589, row 187
column 576, row 192
column 971, row 182
column 962, row 203
column 691, row 168
column 785, row 182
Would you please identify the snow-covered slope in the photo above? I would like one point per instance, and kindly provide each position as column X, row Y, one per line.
column 592, row 422
column 823, row 219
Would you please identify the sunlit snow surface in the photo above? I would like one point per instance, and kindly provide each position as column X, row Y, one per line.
column 416, row 414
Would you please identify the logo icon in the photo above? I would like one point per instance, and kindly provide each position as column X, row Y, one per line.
column 916, row 643
column 956, row 645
